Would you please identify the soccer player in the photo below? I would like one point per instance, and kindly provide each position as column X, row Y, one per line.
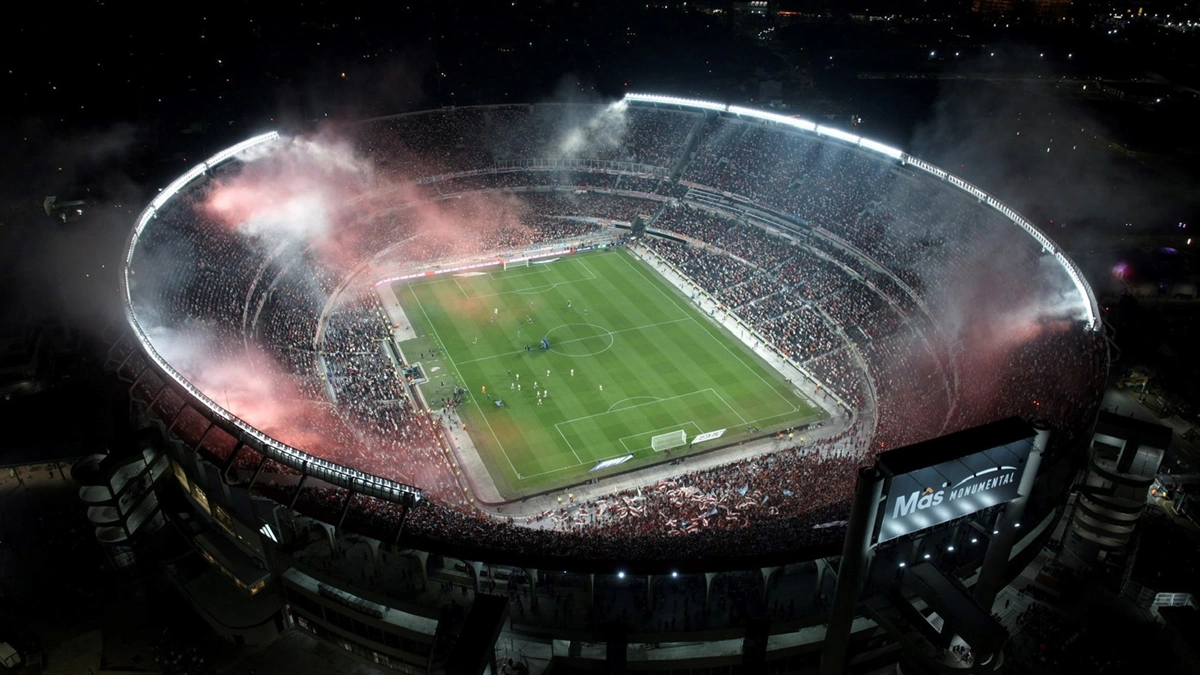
column 518, row 377
column 601, row 387
column 545, row 393
column 475, row 341
column 547, row 373
column 572, row 372
column 568, row 304
column 483, row 389
column 512, row 385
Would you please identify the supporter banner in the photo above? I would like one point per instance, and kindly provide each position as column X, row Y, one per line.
column 836, row 523
column 708, row 436
column 933, row 495
column 610, row 463
column 546, row 261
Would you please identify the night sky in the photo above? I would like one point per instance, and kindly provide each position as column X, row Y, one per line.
column 107, row 102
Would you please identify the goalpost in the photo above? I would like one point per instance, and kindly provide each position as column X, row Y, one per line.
column 667, row 441
column 519, row 262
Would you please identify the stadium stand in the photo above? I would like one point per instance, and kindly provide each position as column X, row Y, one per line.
column 860, row 292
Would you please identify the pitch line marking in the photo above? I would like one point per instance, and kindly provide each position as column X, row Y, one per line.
column 743, row 419
column 571, row 447
column 612, row 340
column 530, row 270
column 535, row 290
column 640, row 405
column 631, row 398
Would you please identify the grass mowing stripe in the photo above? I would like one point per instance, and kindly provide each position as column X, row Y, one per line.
column 455, row 367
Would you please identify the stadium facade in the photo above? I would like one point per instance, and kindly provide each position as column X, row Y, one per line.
column 871, row 273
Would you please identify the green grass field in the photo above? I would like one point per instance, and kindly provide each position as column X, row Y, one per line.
column 646, row 361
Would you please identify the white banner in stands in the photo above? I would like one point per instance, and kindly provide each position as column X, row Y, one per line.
column 708, row 436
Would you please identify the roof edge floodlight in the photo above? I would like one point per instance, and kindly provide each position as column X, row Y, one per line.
column 675, row 100
column 1092, row 309
column 346, row 477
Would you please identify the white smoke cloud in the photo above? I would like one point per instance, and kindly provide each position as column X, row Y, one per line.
column 604, row 133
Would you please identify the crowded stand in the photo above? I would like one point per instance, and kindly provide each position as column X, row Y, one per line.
column 322, row 502
column 635, row 135
column 452, row 140
column 882, row 335
column 712, row 270
column 763, row 504
column 654, row 137
column 589, row 204
column 837, row 371
column 219, row 446
column 508, row 179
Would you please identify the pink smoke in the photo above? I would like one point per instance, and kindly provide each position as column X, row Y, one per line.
column 322, row 193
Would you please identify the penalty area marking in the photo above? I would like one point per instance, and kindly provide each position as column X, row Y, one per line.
column 632, row 398
column 515, row 273
column 534, row 290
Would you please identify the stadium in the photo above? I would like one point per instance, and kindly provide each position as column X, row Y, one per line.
column 603, row 355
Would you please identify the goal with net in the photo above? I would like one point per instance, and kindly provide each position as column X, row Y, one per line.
column 519, row 262
column 670, row 440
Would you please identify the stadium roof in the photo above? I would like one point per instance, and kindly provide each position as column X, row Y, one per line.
column 954, row 446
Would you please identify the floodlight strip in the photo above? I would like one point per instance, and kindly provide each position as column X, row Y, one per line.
column 342, row 476
column 1093, row 310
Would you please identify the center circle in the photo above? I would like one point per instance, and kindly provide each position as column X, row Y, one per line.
column 580, row 339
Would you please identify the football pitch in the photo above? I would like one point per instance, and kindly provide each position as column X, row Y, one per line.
column 629, row 358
